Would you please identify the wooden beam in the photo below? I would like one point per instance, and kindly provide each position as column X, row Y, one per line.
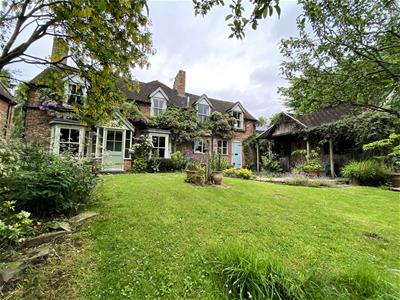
column 331, row 158
column 258, row 157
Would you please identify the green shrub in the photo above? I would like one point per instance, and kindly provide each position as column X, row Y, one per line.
column 179, row 160
column 367, row 172
column 44, row 183
column 243, row 173
column 271, row 164
column 313, row 165
column 139, row 165
column 166, row 165
column 14, row 226
column 218, row 163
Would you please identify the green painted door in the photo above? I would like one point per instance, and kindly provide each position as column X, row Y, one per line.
column 113, row 158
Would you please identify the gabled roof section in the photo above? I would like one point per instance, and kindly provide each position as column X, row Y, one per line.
column 161, row 91
column 6, row 95
column 237, row 105
column 308, row 121
column 205, row 98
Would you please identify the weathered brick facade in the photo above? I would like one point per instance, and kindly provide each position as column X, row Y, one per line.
column 144, row 108
column 6, row 112
column 240, row 135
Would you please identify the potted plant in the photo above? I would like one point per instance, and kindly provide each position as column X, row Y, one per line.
column 192, row 170
column 199, row 178
column 312, row 167
column 218, row 166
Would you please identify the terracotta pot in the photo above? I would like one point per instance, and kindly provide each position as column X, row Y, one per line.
column 395, row 180
column 190, row 174
column 312, row 174
column 198, row 180
column 217, row 177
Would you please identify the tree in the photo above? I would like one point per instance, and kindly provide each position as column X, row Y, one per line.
column 346, row 52
column 262, row 121
column 238, row 22
column 105, row 39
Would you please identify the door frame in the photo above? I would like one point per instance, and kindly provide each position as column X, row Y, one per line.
column 240, row 154
column 105, row 130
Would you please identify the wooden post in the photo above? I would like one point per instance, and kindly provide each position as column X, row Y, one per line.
column 258, row 157
column 308, row 149
column 269, row 150
column 331, row 157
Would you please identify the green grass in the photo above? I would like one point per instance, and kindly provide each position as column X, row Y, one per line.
column 158, row 237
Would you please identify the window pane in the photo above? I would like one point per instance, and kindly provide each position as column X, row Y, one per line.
column 74, row 135
column 110, row 135
column 155, row 141
column 161, row 142
column 118, row 135
column 161, row 153
column 64, row 134
column 117, row 146
column 110, row 146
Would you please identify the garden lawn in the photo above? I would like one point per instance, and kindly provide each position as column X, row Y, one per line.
column 157, row 236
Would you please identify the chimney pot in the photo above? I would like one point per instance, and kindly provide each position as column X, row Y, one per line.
column 180, row 82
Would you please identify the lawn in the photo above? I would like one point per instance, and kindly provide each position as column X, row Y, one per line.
column 157, row 237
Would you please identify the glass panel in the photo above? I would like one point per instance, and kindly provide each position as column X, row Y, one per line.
column 198, row 146
column 64, row 134
column 117, row 146
column 74, row 135
column 110, row 146
column 74, row 148
column 110, row 135
column 161, row 142
column 118, row 135
column 161, row 152
column 155, row 141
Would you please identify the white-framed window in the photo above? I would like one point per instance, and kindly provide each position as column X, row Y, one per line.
column 68, row 138
column 158, row 106
column 222, row 147
column 239, row 119
column 75, row 93
column 128, row 144
column 199, row 146
column 159, row 145
column 203, row 112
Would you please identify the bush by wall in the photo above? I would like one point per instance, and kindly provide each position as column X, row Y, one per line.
column 367, row 172
column 44, row 183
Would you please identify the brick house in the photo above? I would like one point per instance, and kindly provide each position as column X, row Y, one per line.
column 110, row 142
column 6, row 112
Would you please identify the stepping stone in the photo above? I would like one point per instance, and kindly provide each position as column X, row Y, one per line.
column 62, row 225
column 43, row 238
column 83, row 216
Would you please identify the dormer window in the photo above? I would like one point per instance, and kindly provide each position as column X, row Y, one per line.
column 75, row 94
column 159, row 102
column 203, row 112
column 239, row 119
column 158, row 106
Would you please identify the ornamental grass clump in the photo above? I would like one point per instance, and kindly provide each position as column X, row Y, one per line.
column 246, row 275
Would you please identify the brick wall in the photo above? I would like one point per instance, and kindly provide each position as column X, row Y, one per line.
column 144, row 108
column 5, row 118
column 127, row 165
column 250, row 128
column 37, row 127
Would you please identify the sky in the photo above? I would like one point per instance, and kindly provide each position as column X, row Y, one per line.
column 227, row 69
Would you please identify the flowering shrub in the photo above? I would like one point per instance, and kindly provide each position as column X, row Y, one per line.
column 14, row 226
column 140, row 151
column 44, row 183
column 243, row 173
column 229, row 171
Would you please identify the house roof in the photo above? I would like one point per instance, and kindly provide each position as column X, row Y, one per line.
column 310, row 120
column 147, row 88
column 5, row 94
column 176, row 100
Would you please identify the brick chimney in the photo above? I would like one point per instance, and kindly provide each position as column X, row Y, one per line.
column 180, row 82
column 59, row 51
